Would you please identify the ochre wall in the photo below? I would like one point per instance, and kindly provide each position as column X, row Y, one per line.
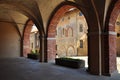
column 117, row 29
column 118, row 46
column 34, row 41
column 68, row 35
column 9, row 41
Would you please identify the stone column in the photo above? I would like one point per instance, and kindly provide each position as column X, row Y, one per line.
column 51, row 47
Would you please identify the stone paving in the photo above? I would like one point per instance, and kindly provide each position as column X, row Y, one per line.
column 86, row 61
column 26, row 69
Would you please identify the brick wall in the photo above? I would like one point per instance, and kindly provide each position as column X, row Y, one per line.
column 26, row 40
column 111, row 57
column 51, row 49
column 112, row 53
column 9, row 40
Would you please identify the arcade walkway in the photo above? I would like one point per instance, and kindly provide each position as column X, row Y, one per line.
column 26, row 69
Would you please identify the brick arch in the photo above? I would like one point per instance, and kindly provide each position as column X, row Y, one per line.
column 52, row 29
column 110, row 52
column 26, row 38
column 58, row 15
column 94, row 66
column 114, row 15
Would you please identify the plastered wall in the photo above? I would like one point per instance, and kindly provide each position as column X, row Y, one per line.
column 71, row 35
column 9, row 41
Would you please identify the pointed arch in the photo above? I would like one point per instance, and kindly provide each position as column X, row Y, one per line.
column 35, row 16
column 26, row 38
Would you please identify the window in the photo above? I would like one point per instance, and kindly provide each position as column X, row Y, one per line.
column 69, row 18
column 70, row 32
column 118, row 34
column 118, row 23
column 59, row 32
column 32, row 45
column 62, row 19
column 63, row 31
column 81, row 43
column 81, row 28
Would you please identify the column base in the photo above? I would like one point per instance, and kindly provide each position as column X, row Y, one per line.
column 111, row 74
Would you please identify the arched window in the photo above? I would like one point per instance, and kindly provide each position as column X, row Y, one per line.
column 70, row 32
column 63, row 31
column 59, row 32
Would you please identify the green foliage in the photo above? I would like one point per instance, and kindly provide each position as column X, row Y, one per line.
column 34, row 52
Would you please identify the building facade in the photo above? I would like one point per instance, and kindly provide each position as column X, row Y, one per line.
column 34, row 40
column 71, row 35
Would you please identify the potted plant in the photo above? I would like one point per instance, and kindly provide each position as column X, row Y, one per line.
column 33, row 55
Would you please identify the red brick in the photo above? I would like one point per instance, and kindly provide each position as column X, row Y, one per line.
column 26, row 41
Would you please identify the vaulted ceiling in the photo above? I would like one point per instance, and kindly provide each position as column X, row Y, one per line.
column 39, row 11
